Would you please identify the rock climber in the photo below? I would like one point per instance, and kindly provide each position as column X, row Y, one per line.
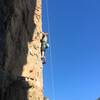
column 44, row 46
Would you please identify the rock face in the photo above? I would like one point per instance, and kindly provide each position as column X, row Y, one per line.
column 20, row 50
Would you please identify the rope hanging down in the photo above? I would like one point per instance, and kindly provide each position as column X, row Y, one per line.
column 50, row 52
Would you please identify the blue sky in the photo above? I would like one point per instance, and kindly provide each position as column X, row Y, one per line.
column 75, row 49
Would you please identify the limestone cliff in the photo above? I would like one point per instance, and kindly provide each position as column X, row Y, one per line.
column 20, row 50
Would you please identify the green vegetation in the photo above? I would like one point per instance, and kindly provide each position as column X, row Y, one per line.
column 98, row 98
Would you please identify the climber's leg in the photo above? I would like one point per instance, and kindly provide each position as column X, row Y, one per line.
column 44, row 60
column 42, row 56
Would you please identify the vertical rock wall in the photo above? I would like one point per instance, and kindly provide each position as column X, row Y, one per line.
column 33, row 68
column 20, row 50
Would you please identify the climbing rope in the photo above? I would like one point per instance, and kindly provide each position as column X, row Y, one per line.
column 50, row 52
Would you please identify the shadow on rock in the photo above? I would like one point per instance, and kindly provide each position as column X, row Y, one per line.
column 16, row 30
